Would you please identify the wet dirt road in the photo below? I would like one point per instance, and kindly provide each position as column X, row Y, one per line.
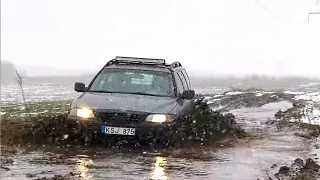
column 245, row 160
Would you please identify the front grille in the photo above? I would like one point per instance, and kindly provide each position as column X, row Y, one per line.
column 120, row 119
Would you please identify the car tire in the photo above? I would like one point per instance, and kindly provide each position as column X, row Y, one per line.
column 176, row 140
column 165, row 139
column 83, row 135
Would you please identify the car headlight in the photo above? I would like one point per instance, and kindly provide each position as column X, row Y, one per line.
column 85, row 113
column 160, row 118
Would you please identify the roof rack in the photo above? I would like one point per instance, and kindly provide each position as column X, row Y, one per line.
column 136, row 60
column 175, row 64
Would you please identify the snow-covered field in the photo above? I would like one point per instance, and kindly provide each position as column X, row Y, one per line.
column 312, row 109
column 11, row 94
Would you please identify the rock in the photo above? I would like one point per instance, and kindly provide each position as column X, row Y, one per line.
column 317, row 146
column 284, row 170
column 296, row 166
column 279, row 114
column 58, row 177
column 5, row 168
column 6, row 161
column 271, row 122
column 30, row 175
column 298, row 162
column 311, row 165
column 299, row 171
column 74, row 174
column 274, row 166
column 307, row 136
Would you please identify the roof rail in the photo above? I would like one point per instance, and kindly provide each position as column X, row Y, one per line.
column 136, row 60
column 175, row 64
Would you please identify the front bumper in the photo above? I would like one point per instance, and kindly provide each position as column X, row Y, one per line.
column 142, row 129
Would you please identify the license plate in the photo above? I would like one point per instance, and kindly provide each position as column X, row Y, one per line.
column 118, row 130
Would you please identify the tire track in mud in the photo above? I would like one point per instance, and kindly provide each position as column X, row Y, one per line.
column 49, row 131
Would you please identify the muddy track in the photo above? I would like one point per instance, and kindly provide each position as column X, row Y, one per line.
column 55, row 129
column 56, row 156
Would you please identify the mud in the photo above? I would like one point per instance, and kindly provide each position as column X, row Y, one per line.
column 259, row 148
column 301, row 120
column 55, row 129
column 299, row 170
column 246, row 98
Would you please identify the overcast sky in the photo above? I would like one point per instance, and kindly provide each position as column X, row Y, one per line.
column 207, row 36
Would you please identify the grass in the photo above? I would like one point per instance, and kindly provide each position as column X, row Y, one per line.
column 40, row 120
column 253, row 89
column 35, row 108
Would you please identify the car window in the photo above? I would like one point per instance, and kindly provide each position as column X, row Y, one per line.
column 145, row 80
column 134, row 81
column 184, row 82
column 187, row 78
column 179, row 84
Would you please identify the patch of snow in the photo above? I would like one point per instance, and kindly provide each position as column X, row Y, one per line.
column 265, row 92
column 213, row 101
column 234, row 93
column 2, row 113
column 65, row 136
column 207, row 97
column 316, row 113
column 306, row 120
column 259, row 94
column 217, row 95
column 216, row 108
column 310, row 84
column 315, row 97
column 311, row 113
column 27, row 114
column 293, row 92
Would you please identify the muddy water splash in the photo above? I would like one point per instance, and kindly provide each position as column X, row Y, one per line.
column 245, row 160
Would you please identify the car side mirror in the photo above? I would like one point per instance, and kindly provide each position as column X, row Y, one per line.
column 79, row 87
column 188, row 94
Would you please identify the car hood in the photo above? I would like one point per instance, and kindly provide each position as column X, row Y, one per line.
column 127, row 102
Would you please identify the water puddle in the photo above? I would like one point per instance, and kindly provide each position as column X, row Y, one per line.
column 244, row 160
column 255, row 120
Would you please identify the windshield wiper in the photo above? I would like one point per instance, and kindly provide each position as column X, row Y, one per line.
column 138, row 93
column 143, row 93
column 104, row 91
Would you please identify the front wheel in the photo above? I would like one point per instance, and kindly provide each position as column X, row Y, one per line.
column 84, row 135
column 174, row 138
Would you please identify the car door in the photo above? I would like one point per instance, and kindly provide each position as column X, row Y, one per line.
column 182, row 85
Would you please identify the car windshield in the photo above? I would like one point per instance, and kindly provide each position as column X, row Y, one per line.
column 133, row 81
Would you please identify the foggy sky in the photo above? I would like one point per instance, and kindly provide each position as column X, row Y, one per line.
column 236, row 37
